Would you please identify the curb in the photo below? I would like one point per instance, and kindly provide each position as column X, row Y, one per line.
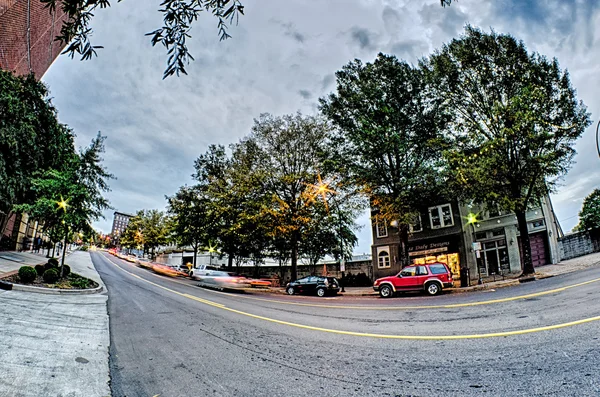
column 54, row 291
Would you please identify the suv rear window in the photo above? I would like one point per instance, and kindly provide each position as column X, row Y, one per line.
column 438, row 269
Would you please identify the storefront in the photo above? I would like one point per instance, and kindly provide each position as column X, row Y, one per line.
column 444, row 250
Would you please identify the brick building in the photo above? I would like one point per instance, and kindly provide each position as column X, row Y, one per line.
column 491, row 246
column 27, row 45
column 27, row 36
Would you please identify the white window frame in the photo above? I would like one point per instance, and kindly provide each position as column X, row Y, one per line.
column 441, row 217
column 386, row 263
column 379, row 235
column 411, row 227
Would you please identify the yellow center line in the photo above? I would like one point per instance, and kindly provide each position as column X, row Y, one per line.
column 372, row 335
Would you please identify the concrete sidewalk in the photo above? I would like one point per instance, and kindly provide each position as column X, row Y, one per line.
column 11, row 261
column 54, row 345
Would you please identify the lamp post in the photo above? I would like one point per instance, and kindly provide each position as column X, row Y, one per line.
column 321, row 189
column 472, row 220
column 63, row 204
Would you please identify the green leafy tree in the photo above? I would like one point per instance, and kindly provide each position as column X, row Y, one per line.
column 188, row 209
column 288, row 155
column 71, row 198
column 389, row 139
column 515, row 121
column 147, row 230
column 31, row 140
column 589, row 216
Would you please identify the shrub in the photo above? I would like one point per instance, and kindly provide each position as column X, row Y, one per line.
column 52, row 263
column 50, row 276
column 66, row 270
column 40, row 269
column 83, row 248
column 79, row 282
column 27, row 274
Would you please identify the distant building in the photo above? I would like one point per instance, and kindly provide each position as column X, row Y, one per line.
column 489, row 247
column 120, row 222
column 28, row 31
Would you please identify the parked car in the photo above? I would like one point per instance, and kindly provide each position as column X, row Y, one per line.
column 431, row 278
column 222, row 280
column 320, row 285
column 131, row 258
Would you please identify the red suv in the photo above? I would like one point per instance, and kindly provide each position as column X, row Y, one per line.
column 431, row 278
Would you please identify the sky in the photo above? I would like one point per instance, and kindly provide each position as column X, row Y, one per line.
column 281, row 58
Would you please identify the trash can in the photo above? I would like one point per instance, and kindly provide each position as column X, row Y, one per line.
column 464, row 277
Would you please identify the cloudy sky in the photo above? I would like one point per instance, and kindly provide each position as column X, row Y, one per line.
column 281, row 59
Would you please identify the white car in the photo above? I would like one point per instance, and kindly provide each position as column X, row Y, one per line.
column 200, row 270
column 222, row 280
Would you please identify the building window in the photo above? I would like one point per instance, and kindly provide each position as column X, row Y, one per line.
column 440, row 216
column 494, row 211
column 383, row 257
column 381, row 229
column 416, row 226
column 538, row 223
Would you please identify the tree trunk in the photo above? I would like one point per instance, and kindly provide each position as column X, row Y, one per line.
column 53, row 249
column 527, row 264
column 62, row 260
column 230, row 262
column 294, row 258
column 404, row 258
column 195, row 253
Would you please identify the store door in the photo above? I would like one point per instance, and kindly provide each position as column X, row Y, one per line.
column 538, row 249
column 491, row 259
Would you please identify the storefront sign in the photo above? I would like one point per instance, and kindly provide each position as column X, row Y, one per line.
column 428, row 252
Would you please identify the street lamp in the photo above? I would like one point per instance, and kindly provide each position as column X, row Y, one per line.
column 472, row 220
column 322, row 189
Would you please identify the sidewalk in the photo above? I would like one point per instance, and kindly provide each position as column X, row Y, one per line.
column 53, row 345
column 11, row 261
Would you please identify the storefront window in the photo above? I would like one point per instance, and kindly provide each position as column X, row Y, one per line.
column 494, row 258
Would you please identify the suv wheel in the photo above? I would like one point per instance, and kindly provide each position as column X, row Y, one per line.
column 321, row 292
column 433, row 288
column 290, row 291
column 386, row 291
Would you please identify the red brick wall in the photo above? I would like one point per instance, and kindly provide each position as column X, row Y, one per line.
column 44, row 27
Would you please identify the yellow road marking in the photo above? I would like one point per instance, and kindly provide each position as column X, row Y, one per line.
column 372, row 335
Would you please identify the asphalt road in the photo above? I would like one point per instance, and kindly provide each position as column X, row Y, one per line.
column 171, row 338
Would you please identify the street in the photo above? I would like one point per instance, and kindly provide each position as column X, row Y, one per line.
column 172, row 338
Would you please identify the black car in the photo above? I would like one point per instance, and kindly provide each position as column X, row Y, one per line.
column 320, row 285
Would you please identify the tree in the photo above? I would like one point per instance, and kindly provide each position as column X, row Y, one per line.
column 515, row 120
column 31, row 140
column 70, row 198
column 589, row 216
column 178, row 17
column 147, row 229
column 389, row 138
column 288, row 155
column 188, row 209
